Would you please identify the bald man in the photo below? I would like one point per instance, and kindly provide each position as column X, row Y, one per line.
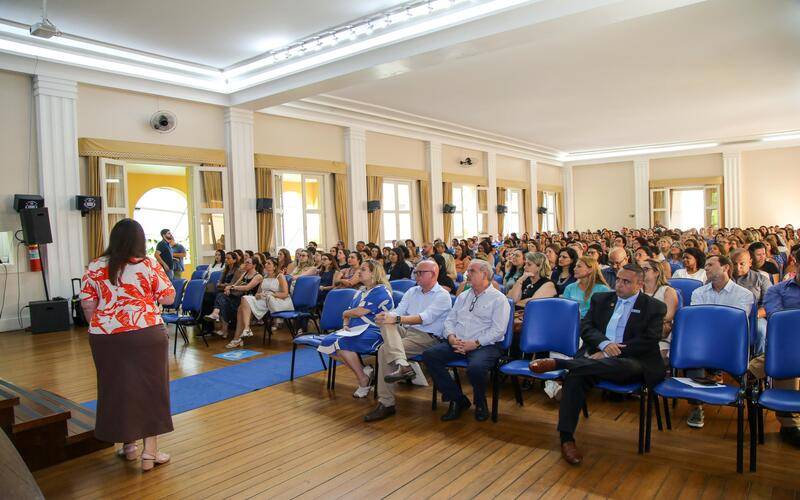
column 617, row 258
column 414, row 325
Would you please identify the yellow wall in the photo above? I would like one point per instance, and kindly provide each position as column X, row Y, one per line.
column 548, row 174
column 512, row 169
column 770, row 180
column 394, row 151
column 451, row 155
column 685, row 167
column 139, row 184
column 277, row 135
column 604, row 195
column 117, row 114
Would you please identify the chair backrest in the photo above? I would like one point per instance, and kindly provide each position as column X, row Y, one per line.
column 178, row 285
column 452, row 300
column 193, row 297
column 198, row 274
column 306, row 292
column 288, row 278
column 710, row 336
column 505, row 345
column 215, row 276
column 459, row 277
column 402, row 285
column 679, row 293
column 686, row 286
column 551, row 325
column 201, row 267
column 336, row 302
column 397, row 297
column 783, row 345
column 752, row 324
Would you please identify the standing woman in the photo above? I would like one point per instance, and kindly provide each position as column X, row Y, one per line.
column 120, row 295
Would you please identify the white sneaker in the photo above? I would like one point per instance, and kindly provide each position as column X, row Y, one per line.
column 247, row 332
column 368, row 371
column 362, row 392
column 419, row 379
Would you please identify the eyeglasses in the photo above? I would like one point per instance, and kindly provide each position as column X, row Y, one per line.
column 472, row 305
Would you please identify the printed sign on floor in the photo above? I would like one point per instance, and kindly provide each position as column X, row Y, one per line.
column 237, row 355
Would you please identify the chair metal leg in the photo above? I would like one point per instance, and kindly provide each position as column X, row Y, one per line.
column 375, row 380
column 760, row 417
column 175, row 345
column 517, row 390
column 658, row 415
column 495, row 393
column 585, row 410
column 643, row 395
column 456, row 377
column 652, row 399
column 739, row 436
column 433, row 395
column 667, row 418
column 752, row 422
column 328, row 373
column 203, row 336
column 294, row 352
column 322, row 360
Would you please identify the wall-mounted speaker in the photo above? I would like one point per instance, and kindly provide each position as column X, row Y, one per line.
column 447, row 208
column 35, row 226
column 263, row 204
column 502, row 209
column 373, row 206
column 88, row 204
column 23, row 201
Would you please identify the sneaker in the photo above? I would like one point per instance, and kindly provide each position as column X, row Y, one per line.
column 247, row 332
column 553, row 389
column 696, row 418
column 368, row 371
column 211, row 317
column 362, row 392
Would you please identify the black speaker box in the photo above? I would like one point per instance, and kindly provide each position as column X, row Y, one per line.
column 373, row 206
column 23, row 201
column 88, row 203
column 263, row 204
column 35, row 226
column 49, row 315
column 448, row 208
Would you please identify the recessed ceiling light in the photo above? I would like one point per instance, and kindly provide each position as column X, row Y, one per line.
column 785, row 136
column 592, row 155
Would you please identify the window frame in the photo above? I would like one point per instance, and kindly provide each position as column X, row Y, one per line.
column 549, row 219
column 516, row 214
column 395, row 183
column 278, row 209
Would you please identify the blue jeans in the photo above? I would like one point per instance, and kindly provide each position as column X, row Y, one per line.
column 480, row 361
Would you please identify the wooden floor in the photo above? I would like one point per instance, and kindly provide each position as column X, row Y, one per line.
column 297, row 440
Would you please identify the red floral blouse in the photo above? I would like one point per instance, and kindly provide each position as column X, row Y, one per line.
column 132, row 303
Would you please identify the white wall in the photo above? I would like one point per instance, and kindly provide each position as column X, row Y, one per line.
column 686, row 167
column 771, row 187
column 548, row 174
column 451, row 155
column 20, row 176
column 512, row 169
column 394, row 151
column 281, row 136
column 604, row 195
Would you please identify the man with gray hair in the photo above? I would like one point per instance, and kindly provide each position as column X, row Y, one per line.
column 415, row 324
column 617, row 258
column 473, row 329
column 758, row 283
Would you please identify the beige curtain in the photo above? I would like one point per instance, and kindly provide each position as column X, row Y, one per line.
column 94, row 219
column 340, row 202
column 540, row 203
column 447, row 198
column 501, row 218
column 425, row 209
column 212, row 189
column 559, row 210
column 374, row 192
column 526, row 207
column 266, row 226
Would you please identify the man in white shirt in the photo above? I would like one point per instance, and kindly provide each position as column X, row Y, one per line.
column 474, row 327
column 719, row 290
column 415, row 324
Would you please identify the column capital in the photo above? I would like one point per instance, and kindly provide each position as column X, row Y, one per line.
column 238, row 115
column 731, row 156
column 432, row 147
column 355, row 134
column 51, row 86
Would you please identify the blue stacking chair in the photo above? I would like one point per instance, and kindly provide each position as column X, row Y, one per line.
column 686, row 287
column 782, row 360
column 191, row 310
column 215, row 276
column 715, row 337
column 198, row 274
column 548, row 325
column 397, row 297
column 304, row 299
column 505, row 345
column 403, row 285
column 178, row 284
column 452, row 300
column 336, row 302
column 201, row 267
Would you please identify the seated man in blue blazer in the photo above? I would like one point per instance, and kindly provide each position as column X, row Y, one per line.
column 620, row 335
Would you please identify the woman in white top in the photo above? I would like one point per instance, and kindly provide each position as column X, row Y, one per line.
column 655, row 285
column 272, row 296
column 694, row 262
column 217, row 265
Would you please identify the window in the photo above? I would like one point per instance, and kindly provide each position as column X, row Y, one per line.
column 210, row 185
column 297, row 207
column 511, row 224
column 162, row 208
column 549, row 219
column 472, row 211
column 396, row 206
column 685, row 207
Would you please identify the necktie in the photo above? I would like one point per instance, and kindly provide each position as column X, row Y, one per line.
column 611, row 328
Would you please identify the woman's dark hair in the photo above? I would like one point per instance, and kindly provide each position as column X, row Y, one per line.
column 249, row 253
column 126, row 242
column 287, row 259
column 239, row 253
column 647, row 250
column 358, row 256
column 401, row 254
column 334, row 265
column 698, row 255
column 275, row 267
column 221, row 254
column 442, row 266
column 237, row 261
column 573, row 255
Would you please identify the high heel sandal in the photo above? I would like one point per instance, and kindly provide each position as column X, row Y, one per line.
column 128, row 452
column 149, row 460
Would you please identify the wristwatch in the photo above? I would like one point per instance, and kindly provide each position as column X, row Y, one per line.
column 477, row 343
column 397, row 319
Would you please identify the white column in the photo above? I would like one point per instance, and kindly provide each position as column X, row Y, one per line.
column 569, row 202
column 732, row 188
column 641, row 186
column 533, row 182
column 242, row 178
column 433, row 160
column 355, row 150
column 59, row 179
column 491, row 199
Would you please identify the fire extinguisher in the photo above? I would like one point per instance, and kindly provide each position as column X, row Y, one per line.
column 34, row 258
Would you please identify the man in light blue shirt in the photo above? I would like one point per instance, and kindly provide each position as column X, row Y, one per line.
column 473, row 330
column 414, row 325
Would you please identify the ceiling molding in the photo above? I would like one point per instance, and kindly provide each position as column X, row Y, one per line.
column 348, row 113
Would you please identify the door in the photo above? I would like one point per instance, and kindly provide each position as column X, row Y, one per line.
column 297, row 207
column 209, row 189
column 659, row 207
column 114, row 190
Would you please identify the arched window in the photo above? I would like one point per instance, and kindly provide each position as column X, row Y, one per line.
column 164, row 208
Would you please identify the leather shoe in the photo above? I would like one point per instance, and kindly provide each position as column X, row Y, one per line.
column 791, row 435
column 455, row 409
column 379, row 413
column 481, row 411
column 402, row 373
column 570, row 453
column 542, row 365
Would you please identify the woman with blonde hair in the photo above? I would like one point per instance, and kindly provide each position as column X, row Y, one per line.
column 534, row 283
column 656, row 286
column 589, row 282
column 374, row 298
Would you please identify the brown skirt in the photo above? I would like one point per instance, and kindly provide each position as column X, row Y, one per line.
column 132, row 384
